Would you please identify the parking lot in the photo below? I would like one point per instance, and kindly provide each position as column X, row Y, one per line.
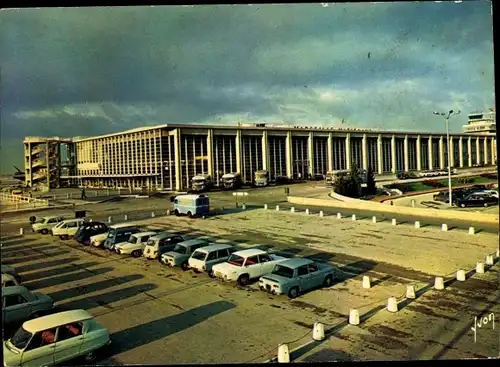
column 160, row 315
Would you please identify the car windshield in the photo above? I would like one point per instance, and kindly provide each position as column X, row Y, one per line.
column 236, row 260
column 283, row 271
column 199, row 255
column 151, row 242
column 180, row 249
column 111, row 234
column 198, row 180
column 21, row 338
column 260, row 175
column 133, row 239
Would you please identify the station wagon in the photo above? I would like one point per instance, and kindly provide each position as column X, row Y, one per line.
column 19, row 304
column 161, row 243
column 181, row 253
column 45, row 224
column 205, row 258
column 119, row 235
column 67, row 228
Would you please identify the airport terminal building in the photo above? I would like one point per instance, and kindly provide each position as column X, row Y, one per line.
column 166, row 157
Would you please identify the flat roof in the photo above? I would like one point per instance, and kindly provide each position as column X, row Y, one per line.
column 296, row 262
column 54, row 320
column 250, row 252
column 215, row 246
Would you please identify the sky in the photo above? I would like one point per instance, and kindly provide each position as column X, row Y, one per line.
column 90, row 71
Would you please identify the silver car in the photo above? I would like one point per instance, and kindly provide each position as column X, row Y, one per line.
column 19, row 304
column 181, row 253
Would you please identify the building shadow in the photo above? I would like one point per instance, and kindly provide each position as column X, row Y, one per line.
column 7, row 248
column 24, row 259
column 152, row 331
column 12, row 254
column 381, row 280
column 106, row 298
column 43, row 265
column 58, row 271
column 320, row 256
column 368, row 314
column 16, row 242
column 356, row 269
column 9, row 238
column 91, row 288
column 328, row 355
column 79, row 275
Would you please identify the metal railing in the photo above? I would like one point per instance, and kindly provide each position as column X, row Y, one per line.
column 21, row 199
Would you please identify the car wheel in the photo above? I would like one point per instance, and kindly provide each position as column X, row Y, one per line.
column 485, row 205
column 176, row 213
column 90, row 356
column 136, row 253
column 196, row 271
column 190, row 215
column 293, row 293
column 462, row 205
column 328, row 281
column 44, row 231
column 184, row 266
column 244, row 279
column 211, row 273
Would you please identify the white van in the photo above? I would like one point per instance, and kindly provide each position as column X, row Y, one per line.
column 67, row 228
column 98, row 239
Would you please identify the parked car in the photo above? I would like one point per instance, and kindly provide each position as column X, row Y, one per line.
column 135, row 244
column 9, row 281
column 181, row 253
column 67, row 228
column 477, row 199
column 161, row 243
column 43, row 225
column 88, row 230
column 19, row 304
column 443, row 196
column 55, row 339
column 204, row 258
column 98, row 240
column 119, row 235
column 7, row 269
column 296, row 276
column 478, row 188
column 493, row 193
column 242, row 266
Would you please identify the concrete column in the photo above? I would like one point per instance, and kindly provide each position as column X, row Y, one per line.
column 393, row 154
column 185, row 146
column 161, row 159
column 478, row 152
column 210, row 148
column 265, row 151
column 486, row 158
column 288, row 153
column 380, row 155
column 441, row 153
column 310, row 153
column 348, row 150
column 364, row 152
column 406, row 155
column 419, row 153
column 431, row 157
column 493, row 150
column 451, row 152
column 177, row 160
column 461, row 151
column 469, row 149
column 238, row 151
column 330, row 151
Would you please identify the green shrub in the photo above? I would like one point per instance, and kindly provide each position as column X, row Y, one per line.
column 433, row 183
column 465, row 180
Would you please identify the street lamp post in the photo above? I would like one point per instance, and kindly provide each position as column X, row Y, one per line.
column 447, row 121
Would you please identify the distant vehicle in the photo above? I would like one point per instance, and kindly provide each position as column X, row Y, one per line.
column 242, row 266
column 98, row 240
column 7, row 269
column 332, row 176
column 135, row 244
column 443, row 196
column 282, row 180
column 493, row 193
column 67, row 228
column 43, row 225
column 19, row 175
column 182, row 252
column 161, row 243
column 119, row 235
column 19, row 304
column 191, row 205
column 200, row 183
column 88, row 230
column 296, row 276
column 204, row 258
column 317, row 177
column 261, row 178
column 9, row 281
column 477, row 199
column 55, row 339
column 231, row 181
column 478, row 188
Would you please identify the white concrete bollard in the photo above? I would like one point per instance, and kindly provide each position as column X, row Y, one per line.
column 339, row 216
column 109, row 219
column 168, row 212
column 444, row 227
column 21, row 231
column 461, row 275
column 292, row 210
column 277, row 208
column 321, row 213
column 410, row 292
column 318, row 331
column 243, row 207
column 354, row 217
column 307, row 211
column 497, row 254
column 374, row 219
column 366, row 282
column 394, row 221
column 283, row 353
column 480, row 268
column 152, row 214
column 126, row 217
column 354, row 317
column 392, row 304
column 472, row 230
column 417, row 224
column 265, row 206
column 439, row 283
column 489, row 260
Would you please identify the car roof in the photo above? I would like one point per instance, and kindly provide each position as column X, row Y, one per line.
column 51, row 216
column 193, row 241
column 296, row 262
column 74, row 220
column 6, row 277
column 162, row 235
column 54, row 320
column 8, row 291
column 124, row 228
column 143, row 234
column 191, row 197
column 250, row 252
column 215, row 247
column 121, row 225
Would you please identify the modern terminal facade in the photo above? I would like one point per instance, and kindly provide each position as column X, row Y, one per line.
column 166, row 157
